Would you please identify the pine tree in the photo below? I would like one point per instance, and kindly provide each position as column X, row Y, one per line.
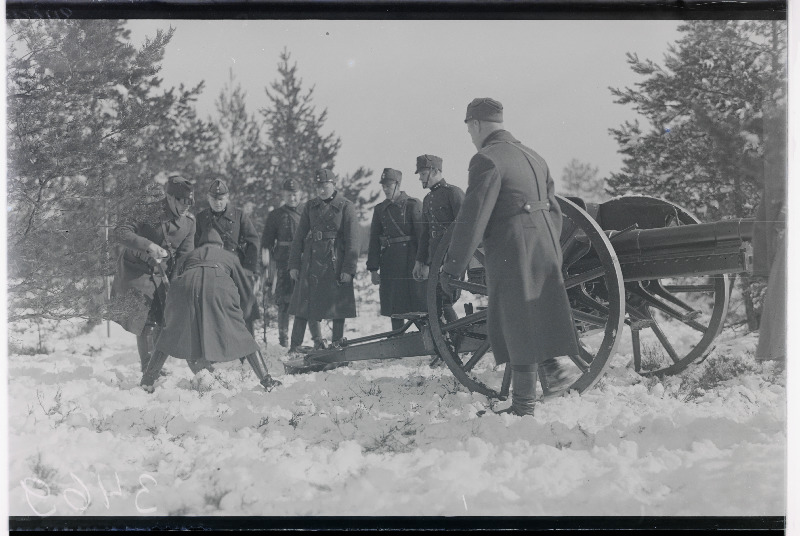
column 582, row 180
column 242, row 158
column 296, row 142
column 706, row 147
column 88, row 130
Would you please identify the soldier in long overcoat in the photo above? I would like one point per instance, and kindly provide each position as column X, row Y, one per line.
column 276, row 243
column 326, row 243
column 510, row 206
column 161, row 234
column 440, row 208
column 204, row 314
column 394, row 237
column 238, row 233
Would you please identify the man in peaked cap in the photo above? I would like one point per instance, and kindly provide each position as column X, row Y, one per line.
column 394, row 237
column 439, row 209
column 510, row 206
column 238, row 234
column 326, row 241
column 276, row 243
column 155, row 239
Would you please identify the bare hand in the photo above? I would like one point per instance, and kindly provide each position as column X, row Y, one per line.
column 376, row 278
column 420, row 271
column 157, row 252
column 294, row 273
column 265, row 256
column 345, row 279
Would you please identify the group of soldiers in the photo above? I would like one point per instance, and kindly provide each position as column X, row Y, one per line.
column 191, row 278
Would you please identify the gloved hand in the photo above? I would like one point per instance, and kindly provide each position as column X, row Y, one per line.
column 376, row 278
column 294, row 273
column 420, row 271
column 345, row 279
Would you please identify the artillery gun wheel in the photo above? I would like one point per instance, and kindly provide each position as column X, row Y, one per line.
column 691, row 308
column 464, row 345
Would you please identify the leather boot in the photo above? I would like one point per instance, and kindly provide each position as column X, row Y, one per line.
column 523, row 390
column 256, row 361
column 557, row 374
column 152, row 371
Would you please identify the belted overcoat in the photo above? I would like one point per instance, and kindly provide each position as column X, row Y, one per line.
column 137, row 280
column 325, row 246
column 510, row 205
column 395, row 234
column 239, row 236
column 204, row 315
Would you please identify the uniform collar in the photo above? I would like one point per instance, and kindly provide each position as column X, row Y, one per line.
column 227, row 213
column 401, row 197
column 439, row 185
column 499, row 136
column 336, row 202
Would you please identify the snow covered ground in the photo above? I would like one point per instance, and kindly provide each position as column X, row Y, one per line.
column 393, row 437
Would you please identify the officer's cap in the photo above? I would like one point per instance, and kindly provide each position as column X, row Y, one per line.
column 180, row 187
column 428, row 161
column 324, row 175
column 289, row 185
column 218, row 189
column 391, row 175
column 485, row 109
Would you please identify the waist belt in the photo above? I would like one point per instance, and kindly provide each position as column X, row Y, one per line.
column 319, row 235
column 533, row 206
column 284, row 243
column 200, row 264
column 396, row 239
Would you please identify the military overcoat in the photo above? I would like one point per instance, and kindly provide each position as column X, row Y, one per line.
column 439, row 209
column 394, row 237
column 510, row 205
column 237, row 232
column 204, row 311
column 324, row 247
column 279, row 232
column 137, row 280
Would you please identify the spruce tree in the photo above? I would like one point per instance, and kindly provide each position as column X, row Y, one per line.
column 582, row 180
column 89, row 128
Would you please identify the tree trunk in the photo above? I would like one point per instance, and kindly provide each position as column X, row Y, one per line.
column 749, row 308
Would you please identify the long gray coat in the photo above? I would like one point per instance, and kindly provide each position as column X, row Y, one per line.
column 529, row 313
column 204, row 313
column 399, row 219
column 326, row 242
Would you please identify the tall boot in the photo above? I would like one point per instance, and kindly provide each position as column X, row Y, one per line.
column 557, row 374
column 283, row 324
column 338, row 330
column 523, row 390
column 153, row 368
column 298, row 332
column 256, row 361
column 316, row 334
column 145, row 343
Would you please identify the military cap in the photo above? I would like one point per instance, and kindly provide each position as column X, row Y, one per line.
column 391, row 175
column 428, row 161
column 218, row 188
column 179, row 186
column 213, row 237
column 485, row 109
column 324, row 175
column 289, row 185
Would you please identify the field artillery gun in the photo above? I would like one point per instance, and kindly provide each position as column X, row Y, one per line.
column 635, row 261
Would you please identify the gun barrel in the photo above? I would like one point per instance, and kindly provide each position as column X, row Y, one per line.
column 700, row 249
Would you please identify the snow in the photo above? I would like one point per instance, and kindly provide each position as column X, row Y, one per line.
column 393, row 437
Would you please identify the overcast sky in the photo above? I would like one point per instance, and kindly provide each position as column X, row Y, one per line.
column 397, row 89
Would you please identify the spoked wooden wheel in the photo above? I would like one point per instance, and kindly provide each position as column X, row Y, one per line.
column 463, row 344
column 674, row 321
